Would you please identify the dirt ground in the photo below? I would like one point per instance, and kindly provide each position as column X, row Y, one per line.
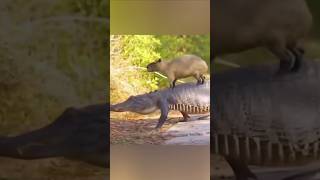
column 137, row 129
column 50, row 169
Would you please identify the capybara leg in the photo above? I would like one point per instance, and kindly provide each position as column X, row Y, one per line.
column 202, row 78
column 287, row 59
column 198, row 78
column 174, row 83
column 171, row 82
column 298, row 53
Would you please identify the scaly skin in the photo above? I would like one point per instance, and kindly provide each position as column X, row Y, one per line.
column 78, row 134
column 267, row 119
column 186, row 98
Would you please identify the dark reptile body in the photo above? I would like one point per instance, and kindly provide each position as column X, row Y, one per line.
column 188, row 97
column 267, row 119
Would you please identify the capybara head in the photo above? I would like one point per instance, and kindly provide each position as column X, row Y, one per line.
column 154, row 66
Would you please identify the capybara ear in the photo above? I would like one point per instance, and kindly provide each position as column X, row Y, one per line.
column 159, row 60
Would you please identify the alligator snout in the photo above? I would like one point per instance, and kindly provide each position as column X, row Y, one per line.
column 116, row 108
column 112, row 108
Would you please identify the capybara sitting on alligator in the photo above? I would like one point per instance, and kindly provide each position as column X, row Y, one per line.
column 181, row 67
column 278, row 25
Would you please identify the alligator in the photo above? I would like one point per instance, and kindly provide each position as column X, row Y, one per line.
column 77, row 134
column 187, row 98
column 264, row 119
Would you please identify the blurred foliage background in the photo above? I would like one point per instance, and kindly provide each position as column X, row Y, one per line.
column 262, row 56
column 53, row 55
column 130, row 55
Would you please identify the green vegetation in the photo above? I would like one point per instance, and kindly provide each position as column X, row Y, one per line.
column 314, row 7
column 130, row 55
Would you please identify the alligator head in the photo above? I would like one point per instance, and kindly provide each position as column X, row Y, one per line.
column 78, row 134
column 142, row 104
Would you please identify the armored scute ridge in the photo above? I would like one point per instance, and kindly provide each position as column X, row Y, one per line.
column 256, row 151
column 190, row 108
column 268, row 119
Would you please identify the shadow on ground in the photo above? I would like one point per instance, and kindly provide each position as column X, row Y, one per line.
column 50, row 169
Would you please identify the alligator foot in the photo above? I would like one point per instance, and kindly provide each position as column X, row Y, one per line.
column 203, row 117
column 240, row 168
column 186, row 117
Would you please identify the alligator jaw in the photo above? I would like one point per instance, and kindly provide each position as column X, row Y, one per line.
column 66, row 137
column 115, row 108
column 27, row 146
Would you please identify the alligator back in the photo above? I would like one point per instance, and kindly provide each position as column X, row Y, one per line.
column 268, row 119
column 189, row 97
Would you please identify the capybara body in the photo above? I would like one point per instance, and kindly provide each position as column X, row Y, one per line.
column 278, row 25
column 181, row 67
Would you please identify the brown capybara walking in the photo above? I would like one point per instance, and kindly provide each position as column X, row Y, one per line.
column 181, row 67
column 278, row 25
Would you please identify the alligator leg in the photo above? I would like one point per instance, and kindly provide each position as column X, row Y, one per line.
column 240, row 168
column 204, row 117
column 164, row 107
column 185, row 116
